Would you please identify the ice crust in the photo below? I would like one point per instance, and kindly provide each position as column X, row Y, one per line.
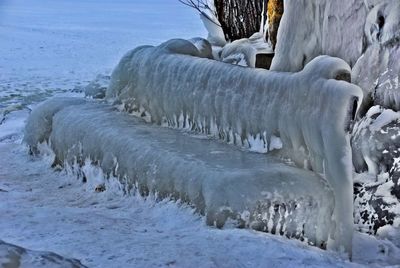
column 309, row 111
column 222, row 182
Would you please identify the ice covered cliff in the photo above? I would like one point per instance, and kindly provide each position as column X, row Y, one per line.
column 309, row 112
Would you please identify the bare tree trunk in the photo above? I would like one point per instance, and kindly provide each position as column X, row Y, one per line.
column 240, row 18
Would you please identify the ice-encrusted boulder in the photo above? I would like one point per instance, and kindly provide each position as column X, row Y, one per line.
column 376, row 151
column 309, row 112
column 220, row 181
column 16, row 256
column 376, row 140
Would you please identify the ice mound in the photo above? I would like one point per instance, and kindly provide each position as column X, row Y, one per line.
column 222, row 182
column 310, row 112
column 15, row 256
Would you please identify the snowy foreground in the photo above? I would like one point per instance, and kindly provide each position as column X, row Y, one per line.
column 54, row 48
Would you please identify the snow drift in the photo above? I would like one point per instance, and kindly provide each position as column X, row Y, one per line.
column 310, row 113
column 222, row 182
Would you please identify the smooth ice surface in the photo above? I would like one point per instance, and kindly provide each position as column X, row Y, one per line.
column 222, row 182
column 309, row 111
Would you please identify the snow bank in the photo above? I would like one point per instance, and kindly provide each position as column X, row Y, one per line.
column 309, row 111
column 222, row 182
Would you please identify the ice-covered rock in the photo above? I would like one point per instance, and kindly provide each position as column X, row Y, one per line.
column 16, row 256
column 375, row 145
column 310, row 111
column 376, row 140
column 220, row 181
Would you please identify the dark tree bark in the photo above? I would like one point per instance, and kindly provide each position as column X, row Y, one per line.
column 240, row 18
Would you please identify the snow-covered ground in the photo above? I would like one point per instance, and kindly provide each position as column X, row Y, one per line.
column 51, row 47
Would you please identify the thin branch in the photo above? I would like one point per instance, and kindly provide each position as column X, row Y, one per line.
column 200, row 6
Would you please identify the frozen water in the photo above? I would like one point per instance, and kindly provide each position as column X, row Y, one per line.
column 222, row 182
column 309, row 111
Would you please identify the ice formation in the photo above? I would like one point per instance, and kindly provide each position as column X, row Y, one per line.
column 375, row 145
column 366, row 34
column 312, row 27
column 38, row 126
column 16, row 256
column 375, row 139
column 378, row 69
column 310, row 111
column 221, row 181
